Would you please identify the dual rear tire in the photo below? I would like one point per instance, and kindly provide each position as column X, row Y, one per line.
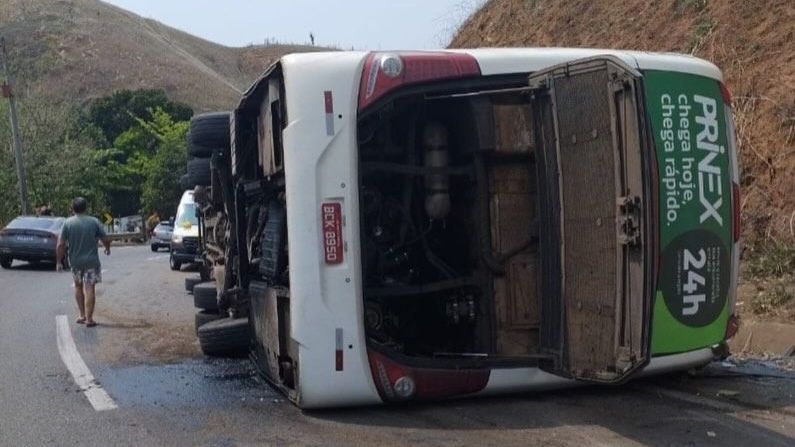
column 209, row 133
column 205, row 296
column 224, row 337
column 219, row 336
column 205, row 316
column 190, row 282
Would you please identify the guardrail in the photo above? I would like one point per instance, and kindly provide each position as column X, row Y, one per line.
column 136, row 237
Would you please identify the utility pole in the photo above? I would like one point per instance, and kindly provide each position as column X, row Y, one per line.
column 12, row 108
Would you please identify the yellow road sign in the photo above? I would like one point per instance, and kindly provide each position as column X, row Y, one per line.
column 108, row 218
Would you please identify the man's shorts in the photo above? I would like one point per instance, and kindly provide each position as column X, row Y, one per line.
column 88, row 276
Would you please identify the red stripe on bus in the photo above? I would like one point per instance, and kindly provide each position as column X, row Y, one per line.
column 338, row 359
column 329, row 101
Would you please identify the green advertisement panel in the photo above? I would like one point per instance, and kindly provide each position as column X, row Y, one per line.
column 695, row 219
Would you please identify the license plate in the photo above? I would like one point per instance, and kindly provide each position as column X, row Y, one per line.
column 331, row 213
column 25, row 238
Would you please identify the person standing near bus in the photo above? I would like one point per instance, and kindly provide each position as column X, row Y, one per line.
column 78, row 238
column 151, row 223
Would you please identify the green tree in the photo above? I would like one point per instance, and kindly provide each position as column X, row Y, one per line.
column 9, row 198
column 143, row 148
column 117, row 113
column 59, row 159
column 66, row 155
column 126, row 164
column 161, row 188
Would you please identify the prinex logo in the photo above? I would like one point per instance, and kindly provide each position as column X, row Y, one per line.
column 332, row 232
column 710, row 186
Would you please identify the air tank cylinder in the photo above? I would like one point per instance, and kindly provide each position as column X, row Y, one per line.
column 437, row 185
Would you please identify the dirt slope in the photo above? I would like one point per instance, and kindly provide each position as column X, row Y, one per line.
column 752, row 42
column 87, row 48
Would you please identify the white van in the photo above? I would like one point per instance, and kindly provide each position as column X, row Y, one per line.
column 433, row 224
column 185, row 237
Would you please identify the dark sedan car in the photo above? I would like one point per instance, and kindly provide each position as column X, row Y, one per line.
column 29, row 238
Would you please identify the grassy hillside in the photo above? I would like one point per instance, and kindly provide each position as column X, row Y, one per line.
column 85, row 48
column 752, row 42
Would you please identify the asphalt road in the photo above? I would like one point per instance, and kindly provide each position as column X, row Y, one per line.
column 145, row 356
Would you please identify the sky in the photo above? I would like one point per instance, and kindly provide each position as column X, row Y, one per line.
column 361, row 24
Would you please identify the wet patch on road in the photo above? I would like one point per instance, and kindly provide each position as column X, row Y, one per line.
column 751, row 384
column 194, row 383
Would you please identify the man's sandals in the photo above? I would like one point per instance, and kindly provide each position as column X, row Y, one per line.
column 88, row 323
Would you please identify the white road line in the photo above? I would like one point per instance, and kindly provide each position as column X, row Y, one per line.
column 82, row 376
column 156, row 258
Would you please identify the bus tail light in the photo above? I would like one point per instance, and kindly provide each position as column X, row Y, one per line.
column 731, row 327
column 398, row 383
column 726, row 94
column 384, row 72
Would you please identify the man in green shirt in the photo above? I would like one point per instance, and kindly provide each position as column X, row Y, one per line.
column 79, row 236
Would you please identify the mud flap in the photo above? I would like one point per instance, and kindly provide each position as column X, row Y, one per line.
column 595, row 295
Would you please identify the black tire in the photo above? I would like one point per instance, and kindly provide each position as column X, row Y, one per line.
column 174, row 264
column 191, row 281
column 154, row 247
column 199, row 171
column 226, row 337
column 205, row 296
column 210, row 130
column 205, row 316
column 6, row 262
column 184, row 182
column 196, row 150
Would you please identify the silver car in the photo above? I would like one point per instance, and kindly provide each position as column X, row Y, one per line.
column 161, row 236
